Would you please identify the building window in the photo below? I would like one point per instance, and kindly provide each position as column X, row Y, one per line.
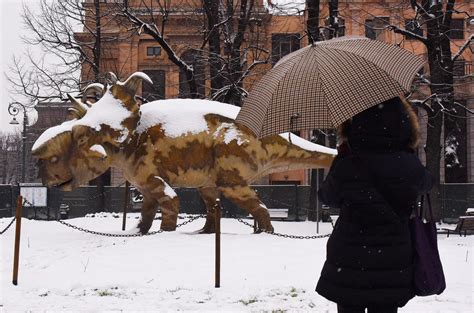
column 375, row 28
column 341, row 30
column 155, row 91
column 413, row 26
column 457, row 29
column 283, row 44
column 153, row 51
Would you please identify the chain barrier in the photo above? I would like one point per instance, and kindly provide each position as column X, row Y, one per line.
column 192, row 219
column 283, row 235
column 8, row 226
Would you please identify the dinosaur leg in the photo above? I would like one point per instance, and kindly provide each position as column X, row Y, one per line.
column 246, row 198
column 148, row 214
column 163, row 195
column 209, row 196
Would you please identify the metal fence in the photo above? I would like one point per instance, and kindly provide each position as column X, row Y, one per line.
column 455, row 199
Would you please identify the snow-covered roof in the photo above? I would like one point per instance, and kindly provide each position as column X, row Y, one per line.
column 182, row 116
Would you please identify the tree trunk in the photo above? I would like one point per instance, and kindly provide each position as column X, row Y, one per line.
column 333, row 19
column 212, row 12
column 317, row 176
column 441, row 75
column 312, row 28
column 312, row 22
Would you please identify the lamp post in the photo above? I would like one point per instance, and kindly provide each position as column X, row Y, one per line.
column 14, row 109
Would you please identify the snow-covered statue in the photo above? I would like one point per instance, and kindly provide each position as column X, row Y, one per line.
column 179, row 142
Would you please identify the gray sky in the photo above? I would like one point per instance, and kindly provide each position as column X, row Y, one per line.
column 11, row 28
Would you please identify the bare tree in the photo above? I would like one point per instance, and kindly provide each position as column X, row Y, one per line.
column 10, row 153
column 231, row 46
column 71, row 35
column 444, row 113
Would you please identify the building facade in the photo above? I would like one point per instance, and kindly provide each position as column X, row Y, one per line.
column 275, row 34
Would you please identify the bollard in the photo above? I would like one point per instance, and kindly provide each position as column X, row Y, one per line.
column 125, row 206
column 217, row 210
column 16, row 255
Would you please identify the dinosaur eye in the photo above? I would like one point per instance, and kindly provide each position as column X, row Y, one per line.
column 54, row 159
column 82, row 140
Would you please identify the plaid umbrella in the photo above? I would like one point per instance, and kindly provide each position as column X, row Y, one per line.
column 322, row 85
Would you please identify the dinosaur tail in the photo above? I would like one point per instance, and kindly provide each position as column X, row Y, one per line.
column 298, row 154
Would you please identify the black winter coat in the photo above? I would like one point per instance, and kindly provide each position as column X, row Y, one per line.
column 369, row 254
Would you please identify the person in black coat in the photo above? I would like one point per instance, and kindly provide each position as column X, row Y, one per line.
column 375, row 181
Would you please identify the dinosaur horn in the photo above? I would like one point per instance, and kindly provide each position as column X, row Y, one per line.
column 132, row 82
column 74, row 113
column 78, row 109
column 94, row 87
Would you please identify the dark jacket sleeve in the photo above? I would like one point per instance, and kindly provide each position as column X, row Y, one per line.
column 329, row 192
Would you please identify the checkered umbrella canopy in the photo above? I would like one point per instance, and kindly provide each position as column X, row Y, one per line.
column 322, row 85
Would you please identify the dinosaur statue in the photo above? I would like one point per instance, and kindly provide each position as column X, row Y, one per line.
column 179, row 142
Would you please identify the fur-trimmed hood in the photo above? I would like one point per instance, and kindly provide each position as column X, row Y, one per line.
column 389, row 126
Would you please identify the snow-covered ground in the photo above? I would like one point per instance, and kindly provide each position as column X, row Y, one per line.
column 62, row 269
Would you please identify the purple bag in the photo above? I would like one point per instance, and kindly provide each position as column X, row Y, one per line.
column 428, row 270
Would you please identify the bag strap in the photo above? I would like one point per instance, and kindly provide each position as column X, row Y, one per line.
column 428, row 200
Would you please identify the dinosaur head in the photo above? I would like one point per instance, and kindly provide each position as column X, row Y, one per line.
column 60, row 163
column 62, row 166
column 72, row 154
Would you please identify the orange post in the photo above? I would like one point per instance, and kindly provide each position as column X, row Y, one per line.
column 125, row 206
column 16, row 255
column 218, row 242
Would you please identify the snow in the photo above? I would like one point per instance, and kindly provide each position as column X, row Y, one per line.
column 52, row 132
column 62, row 269
column 285, row 7
column 107, row 111
column 231, row 133
column 168, row 190
column 186, row 116
column 182, row 116
column 99, row 149
column 307, row 145
column 177, row 117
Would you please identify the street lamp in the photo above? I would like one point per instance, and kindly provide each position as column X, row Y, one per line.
column 14, row 109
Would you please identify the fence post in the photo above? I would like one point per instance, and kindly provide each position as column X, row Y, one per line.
column 125, row 206
column 217, row 210
column 16, row 255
